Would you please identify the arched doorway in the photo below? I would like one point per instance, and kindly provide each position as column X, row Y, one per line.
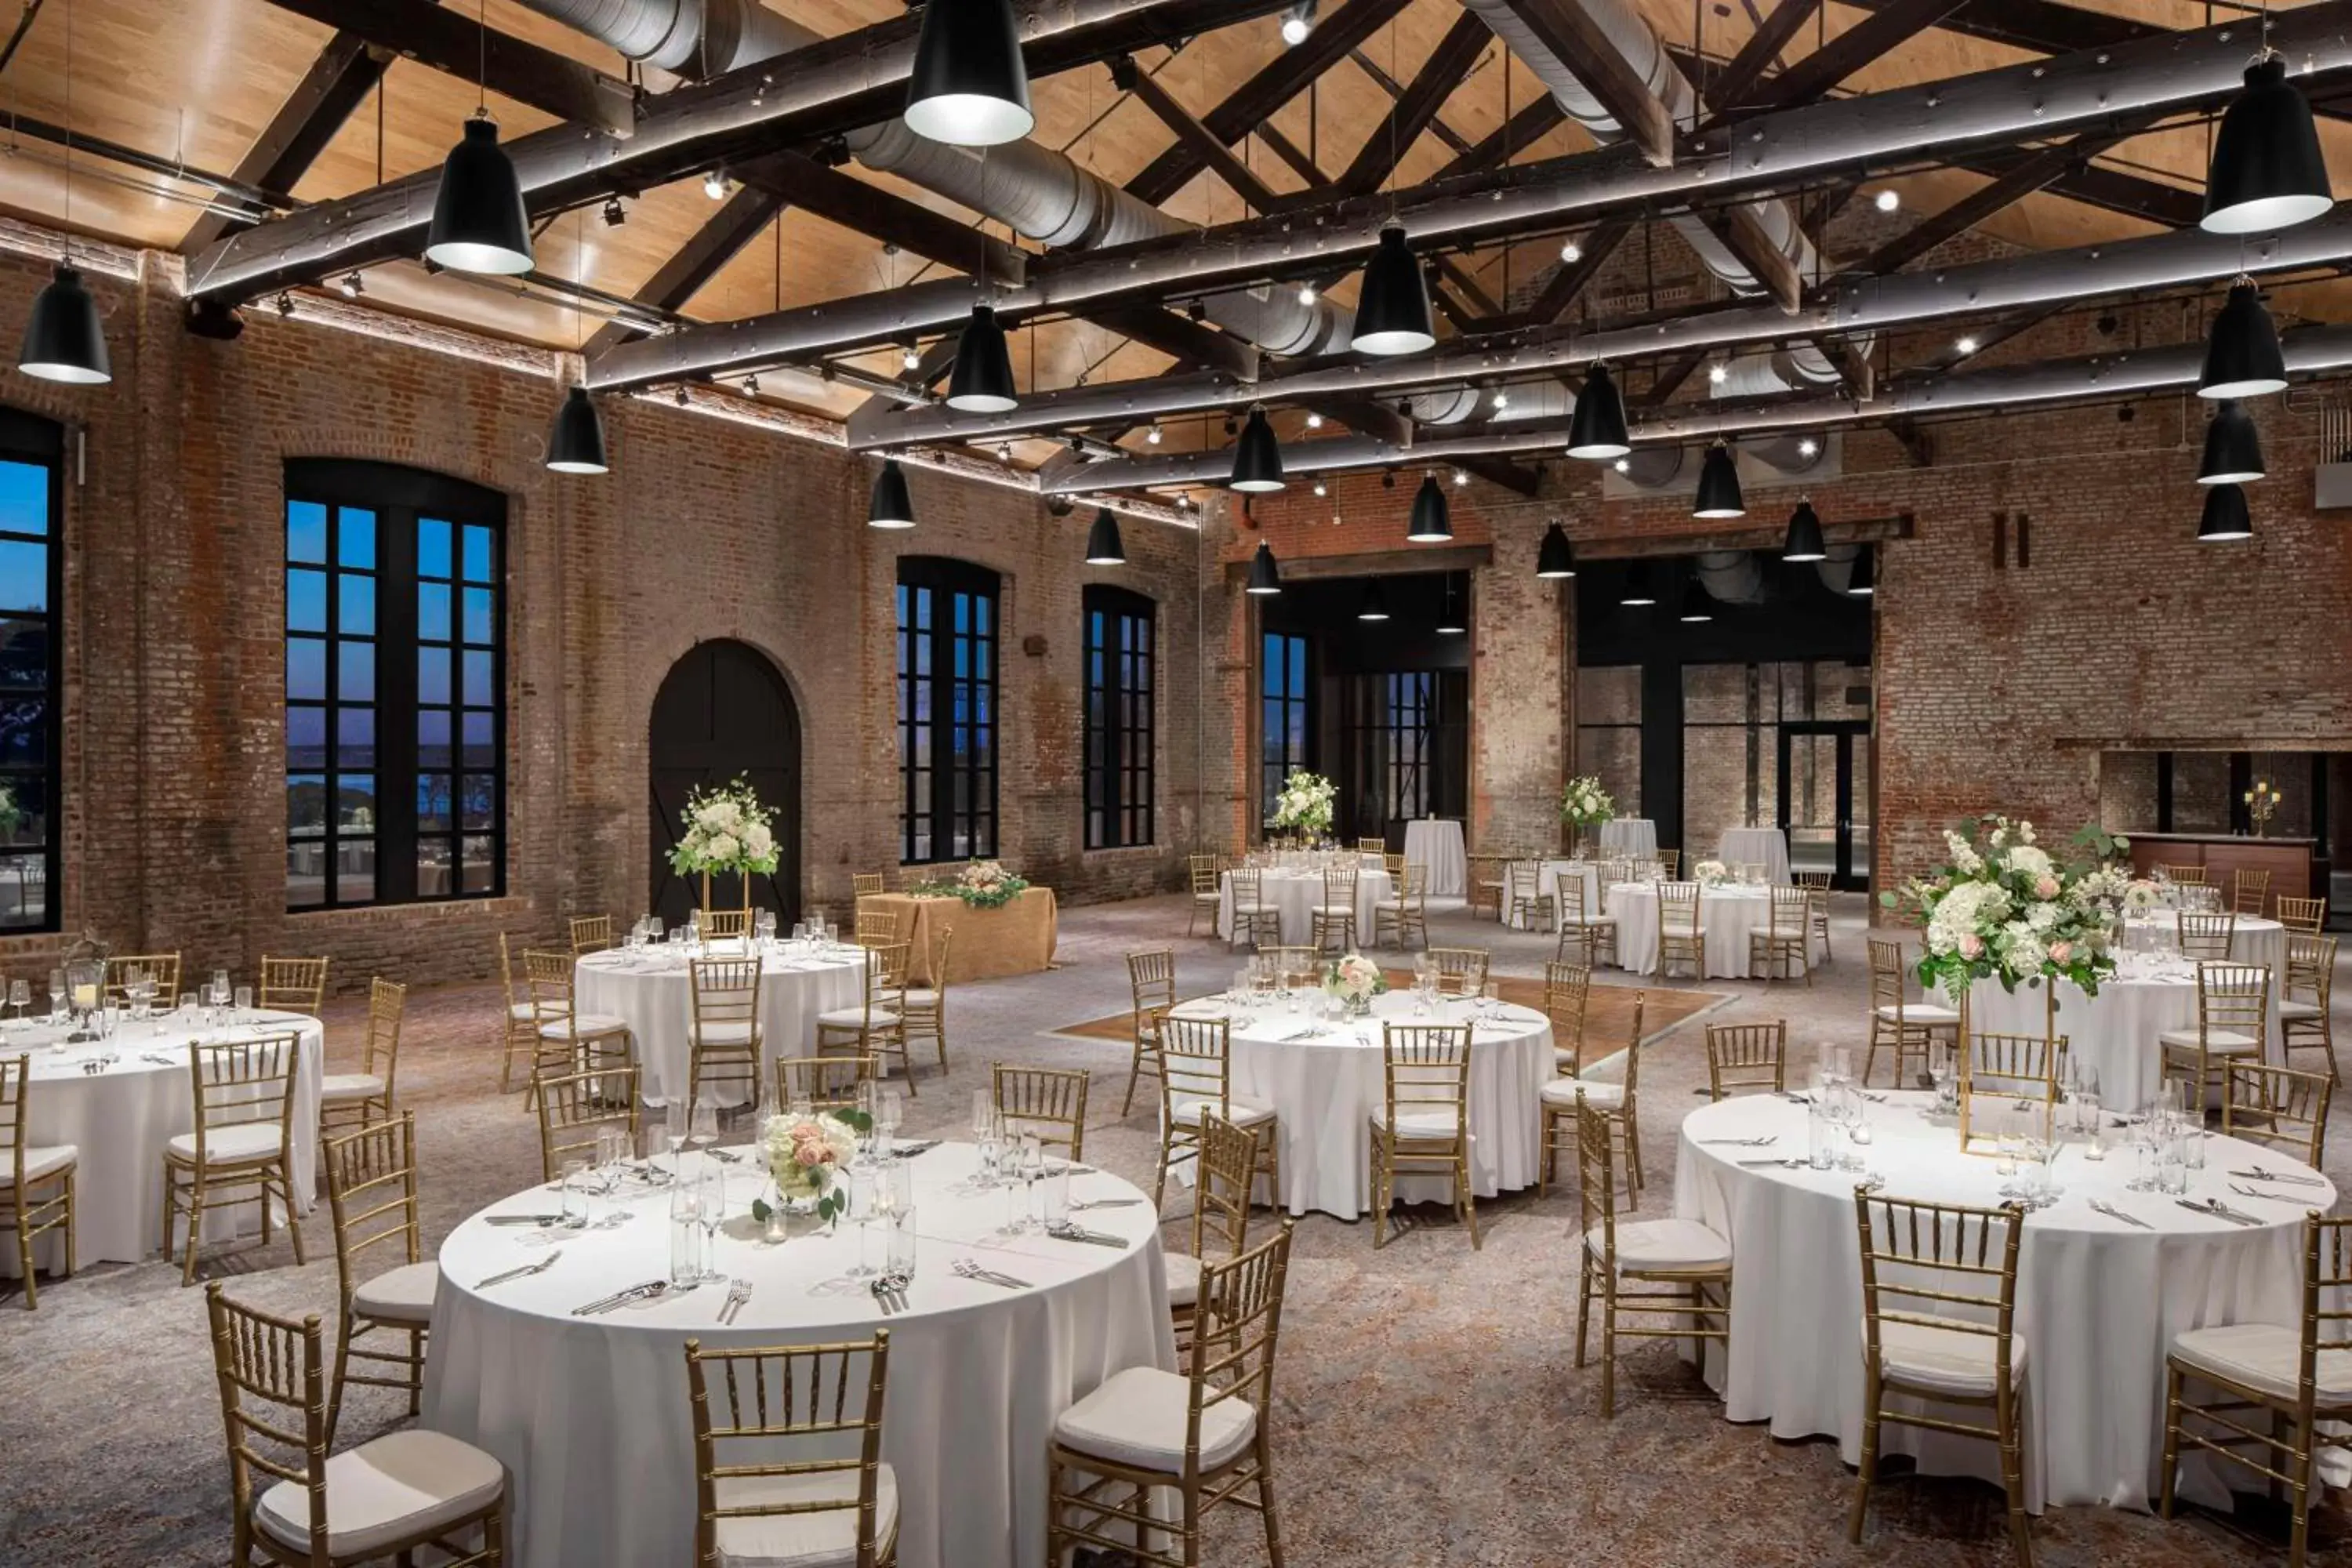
column 724, row 710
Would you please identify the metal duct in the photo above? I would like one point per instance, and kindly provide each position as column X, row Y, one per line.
column 692, row 38
column 1543, row 397
column 1837, row 566
column 1633, row 37
column 1731, row 576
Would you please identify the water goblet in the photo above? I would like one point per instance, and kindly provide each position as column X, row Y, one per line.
column 676, row 1121
column 20, row 993
column 901, row 1264
column 57, row 994
column 712, row 1210
column 868, row 1211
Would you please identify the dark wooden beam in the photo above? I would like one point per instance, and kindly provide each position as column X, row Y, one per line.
column 1565, row 29
column 1191, row 133
column 1283, row 148
column 1861, row 377
column 1890, row 26
column 338, row 82
column 1416, row 106
column 2036, row 173
column 1744, row 234
column 451, row 42
column 846, row 200
column 1758, row 54
column 1521, row 131
column 1453, row 140
column 739, row 221
column 2110, row 189
column 1454, row 272
column 1595, row 249
column 2039, row 27
column 1192, row 344
column 1516, row 478
column 1366, row 416
column 1668, row 377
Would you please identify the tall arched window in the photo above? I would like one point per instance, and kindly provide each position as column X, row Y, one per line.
column 395, row 686
column 1118, row 716
column 32, row 635
column 946, row 709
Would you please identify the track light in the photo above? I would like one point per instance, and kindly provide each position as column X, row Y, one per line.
column 910, row 358
column 1502, row 399
column 1264, row 577
column 1297, row 21
column 890, row 506
column 1461, row 478
column 1717, row 374
column 751, row 386
column 1719, row 485
column 714, row 185
column 2226, row 517
column 1152, row 435
column 1005, row 451
column 64, row 340
column 614, row 216
column 1556, row 557
column 576, row 444
column 1597, row 429
column 284, row 304
column 1306, row 294
column 478, row 221
column 1804, row 539
column 1257, row 457
column 981, row 382
column 1433, row 519
column 352, row 286
column 2268, row 171
column 1695, row 606
column 1809, row 447
column 2241, row 354
column 1888, row 200
column 970, row 87
column 1624, row 464
column 1393, row 301
column 1637, row 591
column 1571, row 253
column 1375, row 606
column 1313, row 420
column 2233, row 449
column 1104, row 547
column 1321, row 489
column 1966, row 345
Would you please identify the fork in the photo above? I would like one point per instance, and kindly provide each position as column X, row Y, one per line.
column 968, row 1270
column 881, row 1289
column 739, row 1292
column 1103, row 1203
column 1745, row 1143
column 542, row 1266
column 2246, row 1192
column 2114, row 1213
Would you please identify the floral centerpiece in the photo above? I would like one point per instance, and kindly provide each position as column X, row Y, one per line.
column 1710, row 873
column 2141, row 896
column 1355, row 980
column 806, row 1154
column 1584, row 804
column 726, row 829
column 983, row 885
column 1304, row 805
column 2003, row 908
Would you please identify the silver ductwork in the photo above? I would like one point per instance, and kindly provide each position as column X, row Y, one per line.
column 1731, row 576
column 691, row 38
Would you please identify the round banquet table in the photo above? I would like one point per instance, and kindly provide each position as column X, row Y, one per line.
column 2098, row 1301
column 1630, row 837
column 590, row 1416
column 1765, row 846
column 1731, row 913
column 1549, row 875
column 1294, row 896
column 1435, row 842
column 121, row 1119
column 652, row 989
column 1325, row 1086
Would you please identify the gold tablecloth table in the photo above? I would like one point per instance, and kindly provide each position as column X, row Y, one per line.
column 1016, row 937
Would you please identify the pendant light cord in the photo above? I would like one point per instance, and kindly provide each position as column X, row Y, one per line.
column 482, row 58
column 67, row 245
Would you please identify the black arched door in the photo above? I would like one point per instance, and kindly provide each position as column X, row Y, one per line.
column 724, row 710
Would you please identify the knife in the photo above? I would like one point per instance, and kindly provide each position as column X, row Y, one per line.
column 1092, row 1238
column 524, row 1218
column 2217, row 1213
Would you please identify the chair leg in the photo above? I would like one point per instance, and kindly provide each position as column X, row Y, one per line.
column 1266, row 1498
column 1609, row 1347
column 1867, row 1471
column 25, row 1256
column 1584, row 1302
column 196, row 1224
column 1377, row 1175
column 2012, row 1477
column 2299, row 1467
column 1469, row 1200
column 293, row 1226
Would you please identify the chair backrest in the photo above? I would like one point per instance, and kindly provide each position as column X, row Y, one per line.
column 1947, row 1267
column 1340, row 887
column 2284, row 1107
column 1249, row 886
column 1812, row 881
column 2249, row 889
column 725, row 997
column 1369, row 845
column 1887, row 967
column 291, row 985
column 16, row 1117
column 2326, row 1297
column 1568, row 987
column 1427, row 1074
column 2311, row 968
column 803, row 1420
column 163, row 968
column 1460, row 971
column 1228, row 1170
column 877, row 928
column 823, row 1083
column 1236, row 1326
column 387, row 1006
column 591, row 934
column 1195, row 1053
column 939, row 959
column 548, row 977
column 1596, row 1173
column 1050, row 1102
column 575, row 1106
column 885, row 977
column 1526, row 878
column 863, row 884
column 506, row 975
column 241, row 1083
column 1152, row 979
column 722, row 925
column 1615, row 870
column 2309, row 915
column 1394, row 866
column 1669, row 862
column 273, row 1395
column 2235, row 997
column 1204, row 872
column 2014, row 1067
column 1790, row 908
column 2207, row 937
column 1411, row 879
column 2185, row 876
column 1678, row 909
column 372, row 1194
column 1747, row 1058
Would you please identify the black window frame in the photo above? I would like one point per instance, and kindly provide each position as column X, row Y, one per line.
column 1410, row 708
column 36, row 442
column 931, row 592
column 1122, row 691
column 404, row 502
column 1295, row 692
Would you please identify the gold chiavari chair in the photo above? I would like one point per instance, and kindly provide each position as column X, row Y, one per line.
column 371, row 1192
column 2181, row 875
column 926, row 1007
column 788, row 1468
column 1895, row 1021
column 2250, row 891
column 2279, row 1106
column 823, row 1083
column 1220, row 1205
column 1560, row 1100
column 2307, row 915
column 1461, row 970
column 1817, row 900
column 1048, row 1102
column 1206, row 895
column 568, row 1041
column 289, row 985
column 1677, row 1269
column 1196, row 1055
column 381, row 1500
column 2233, row 1010
column 878, row 928
column 2206, row 939
column 1404, row 913
column 242, row 1150
column 163, row 969
column 726, row 925
column 1334, row 925
column 1567, row 988
column 1394, row 865
column 2275, row 1383
column 722, row 1041
column 866, row 884
column 1531, row 909
column 1421, row 1125
column 2019, row 1068
column 1372, row 846
column 1585, row 935
column 521, row 1032
column 1487, row 878
column 876, row 1025
column 2306, row 1010
column 1253, row 917
column 574, row 1108
column 1787, row 936
column 591, row 934
column 1152, row 981
column 1746, row 1059
column 37, row 1184
column 1204, row 1436
column 1681, row 928
column 1669, row 863
column 1938, row 1322
column 355, row 1099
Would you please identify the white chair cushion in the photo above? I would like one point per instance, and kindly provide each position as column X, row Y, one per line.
column 585, row 1025
column 240, row 1140
column 388, row 1488
column 2267, row 1357
column 338, row 1087
column 1253, row 908
column 402, row 1295
column 1561, row 1091
column 1417, row 1123
column 1946, row 1361
column 2298, row 1009
column 1183, row 1280
column 1239, row 1110
column 918, row 1000
column 1208, row 897
column 825, row 1540
column 522, row 1012
column 1665, row 1244
column 857, row 1018
column 40, row 1163
column 1593, row 920
column 734, row 1032
column 2219, row 1043
column 1138, row 1417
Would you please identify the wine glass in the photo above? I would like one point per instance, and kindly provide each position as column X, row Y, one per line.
column 702, row 1129
column 867, row 1202
column 992, row 1148
column 713, row 1212
column 57, row 993
column 891, row 1109
column 675, row 1118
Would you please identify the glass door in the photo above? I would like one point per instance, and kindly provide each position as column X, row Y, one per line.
column 1824, row 799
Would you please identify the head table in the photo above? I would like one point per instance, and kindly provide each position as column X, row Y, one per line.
column 2098, row 1300
column 590, row 1414
column 653, row 989
column 121, row 1117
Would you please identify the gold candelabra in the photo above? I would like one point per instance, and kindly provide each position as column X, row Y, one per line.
column 2262, row 804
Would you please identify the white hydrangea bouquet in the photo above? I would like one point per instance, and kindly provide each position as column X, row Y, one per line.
column 806, row 1154
column 1584, row 803
column 2003, row 908
column 2142, row 896
column 1355, row 980
column 726, row 829
column 1304, row 806
column 1710, row 873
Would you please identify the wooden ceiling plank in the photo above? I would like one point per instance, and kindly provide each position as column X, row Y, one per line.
column 1416, row 106
column 1191, row 133
column 1891, row 25
column 338, row 81
column 1523, row 130
column 1565, row 29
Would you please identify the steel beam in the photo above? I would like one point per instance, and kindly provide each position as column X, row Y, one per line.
column 1579, row 43
column 450, row 41
column 346, row 70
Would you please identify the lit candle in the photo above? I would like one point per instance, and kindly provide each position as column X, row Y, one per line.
column 85, row 996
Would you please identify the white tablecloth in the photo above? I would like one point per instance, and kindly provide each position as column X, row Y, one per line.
column 1297, row 895
column 1323, row 1091
column 122, row 1117
column 1436, row 842
column 1549, row 874
column 652, row 988
column 2098, row 1301
column 590, row 1418
column 1765, row 846
column 1633, row 837
column 1730, row 913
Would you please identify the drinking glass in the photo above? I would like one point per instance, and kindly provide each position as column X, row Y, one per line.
column 2141, row 1136
column 187, row 1001
column 675, row 1119
column 20, row 993
column 869, row 1106
column 889, row 1112
column 575, row 1194
column 2172, row 1167
column 866, row 1214
column 685, row 1235
column 1821, row 1137
column 57, row 993
column 1055, row 1188
column 901, row 1266
column 702, row 1127
column 244, row 1004
column 992, row 1150
column 712, row 1210
column 983, row 1107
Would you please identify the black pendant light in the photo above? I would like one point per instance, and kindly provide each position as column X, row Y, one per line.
column 2226, row 517
column 970, row 87
column 1862, row 582
column 1804, row 539
column 1449, row 618
column 1695, row 605
column 2233, row 450
column 1432, row 521
column 1263, row 577
column 576, row 444
column 478, row 221
column 2241, row 356
column 981, row 382
column 63, row 340
column 1104, row 546
column 1375, row 607
column 2267, row 170
column 1637, row 591
column 891, row 505
column 1719, row 485
column 1392, row 302
column 1597, row 428
column 1257, row 455
column 1556, row 557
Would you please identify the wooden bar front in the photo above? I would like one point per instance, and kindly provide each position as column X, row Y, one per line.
column 2223, row 855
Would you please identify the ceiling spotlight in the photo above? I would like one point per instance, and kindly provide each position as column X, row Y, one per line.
column 285, row 303
column 1461, row 478
column 1624, row 464
column 1314, row 421
column 1809, row 447
column 1005, row 451
column 1571, row 253
column 1717, row 374
column 714, row 186
column 751, row 386
column 1888, row 200
column 1078, row 445
column 1306, row 294
column 1502, row 400
column 970, row 87
column 1297, row 21
column 1388, row 478
column 1198, row 310
column 1966, row 345
column 1152, row 435
column 352, row 286
column 910, row 358
column 2267, row 170
column 614, row 216
column 478, row 221
column 680, row 397
column 1321, row 489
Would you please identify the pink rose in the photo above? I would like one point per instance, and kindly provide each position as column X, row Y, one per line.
column 808, row 1155
column 2045, row 887
column 2061, row 952
column 1971, row 946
